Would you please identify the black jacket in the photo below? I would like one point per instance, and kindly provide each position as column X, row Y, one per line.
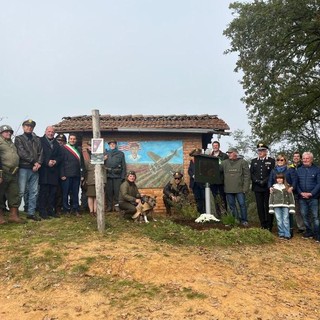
column 260, row 171
column 173, row 189
column 71, row 165
column 115, row 164
column 50, row 175
column 29, row 150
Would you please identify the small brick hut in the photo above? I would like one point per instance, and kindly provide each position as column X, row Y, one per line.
column 180, row 132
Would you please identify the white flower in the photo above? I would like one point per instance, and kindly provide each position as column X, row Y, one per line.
column 205, row 217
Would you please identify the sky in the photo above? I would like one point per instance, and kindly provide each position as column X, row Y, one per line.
column 122, row 57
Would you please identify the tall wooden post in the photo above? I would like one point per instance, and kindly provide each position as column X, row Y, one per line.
column 99, row 176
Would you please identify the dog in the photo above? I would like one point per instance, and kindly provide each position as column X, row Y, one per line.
column 145, row 209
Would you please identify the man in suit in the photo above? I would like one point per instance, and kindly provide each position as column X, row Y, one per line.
column 71, row 174
column 49, row 174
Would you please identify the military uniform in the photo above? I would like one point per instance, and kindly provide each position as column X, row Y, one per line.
column 9, row 167
column 127, row 197
column 175, row 192
column 116, row 171
column 260, row 170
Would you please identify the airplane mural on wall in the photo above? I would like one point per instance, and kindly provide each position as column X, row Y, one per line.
column 153, row 161
column 162, row 163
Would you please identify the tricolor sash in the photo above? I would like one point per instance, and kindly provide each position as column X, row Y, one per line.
column 73, row 150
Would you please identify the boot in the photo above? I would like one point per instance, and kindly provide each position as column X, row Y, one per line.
column 2, row 221
column 14, row 217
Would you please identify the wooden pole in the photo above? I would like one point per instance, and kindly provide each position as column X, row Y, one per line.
column 99, row 176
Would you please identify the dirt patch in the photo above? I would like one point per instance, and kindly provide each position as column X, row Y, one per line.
column 277, row 281
column 210, row 225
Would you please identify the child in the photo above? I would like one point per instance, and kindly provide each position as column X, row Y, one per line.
column 281, row 203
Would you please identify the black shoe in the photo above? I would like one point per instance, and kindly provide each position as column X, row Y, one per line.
column 33, row 217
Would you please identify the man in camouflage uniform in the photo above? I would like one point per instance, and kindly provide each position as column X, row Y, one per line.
column 9, row 166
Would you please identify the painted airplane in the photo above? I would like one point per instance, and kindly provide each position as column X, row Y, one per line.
column 161, row 163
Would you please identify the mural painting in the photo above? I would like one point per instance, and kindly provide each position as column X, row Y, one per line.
column 153, row 161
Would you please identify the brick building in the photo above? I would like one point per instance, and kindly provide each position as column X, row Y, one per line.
column 164, row 143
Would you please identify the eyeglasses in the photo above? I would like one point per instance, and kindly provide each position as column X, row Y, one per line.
column 177, row 178
column 281, row 160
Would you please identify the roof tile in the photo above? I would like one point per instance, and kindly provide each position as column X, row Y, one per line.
column 120, row 122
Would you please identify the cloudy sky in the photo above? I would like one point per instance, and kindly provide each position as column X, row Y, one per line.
column 65, row 58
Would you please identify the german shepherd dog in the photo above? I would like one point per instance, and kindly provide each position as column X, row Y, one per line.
column 145, row 209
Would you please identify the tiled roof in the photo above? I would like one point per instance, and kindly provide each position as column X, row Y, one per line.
column 147, row 123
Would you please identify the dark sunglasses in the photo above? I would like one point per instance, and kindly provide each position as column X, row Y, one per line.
column 282, row 160
column 177, row 178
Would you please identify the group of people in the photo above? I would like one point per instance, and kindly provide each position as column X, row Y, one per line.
column 290, row 192
column 42, row 171
column 47, row 172
column 231, row 185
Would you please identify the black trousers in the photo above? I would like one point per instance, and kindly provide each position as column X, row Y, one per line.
column 199, row 197
column 47, row 199
column 113, row 188
column 262, row 201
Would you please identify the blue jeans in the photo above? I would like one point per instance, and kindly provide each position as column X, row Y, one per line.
column 309, row 211
column 241, row 198
column 28, row 181
column 283, row 221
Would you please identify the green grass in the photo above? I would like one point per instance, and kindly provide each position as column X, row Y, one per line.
column 175, row 234
column 229, row 220
column 44, row 247
column 188, row 211
column 58, row 233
